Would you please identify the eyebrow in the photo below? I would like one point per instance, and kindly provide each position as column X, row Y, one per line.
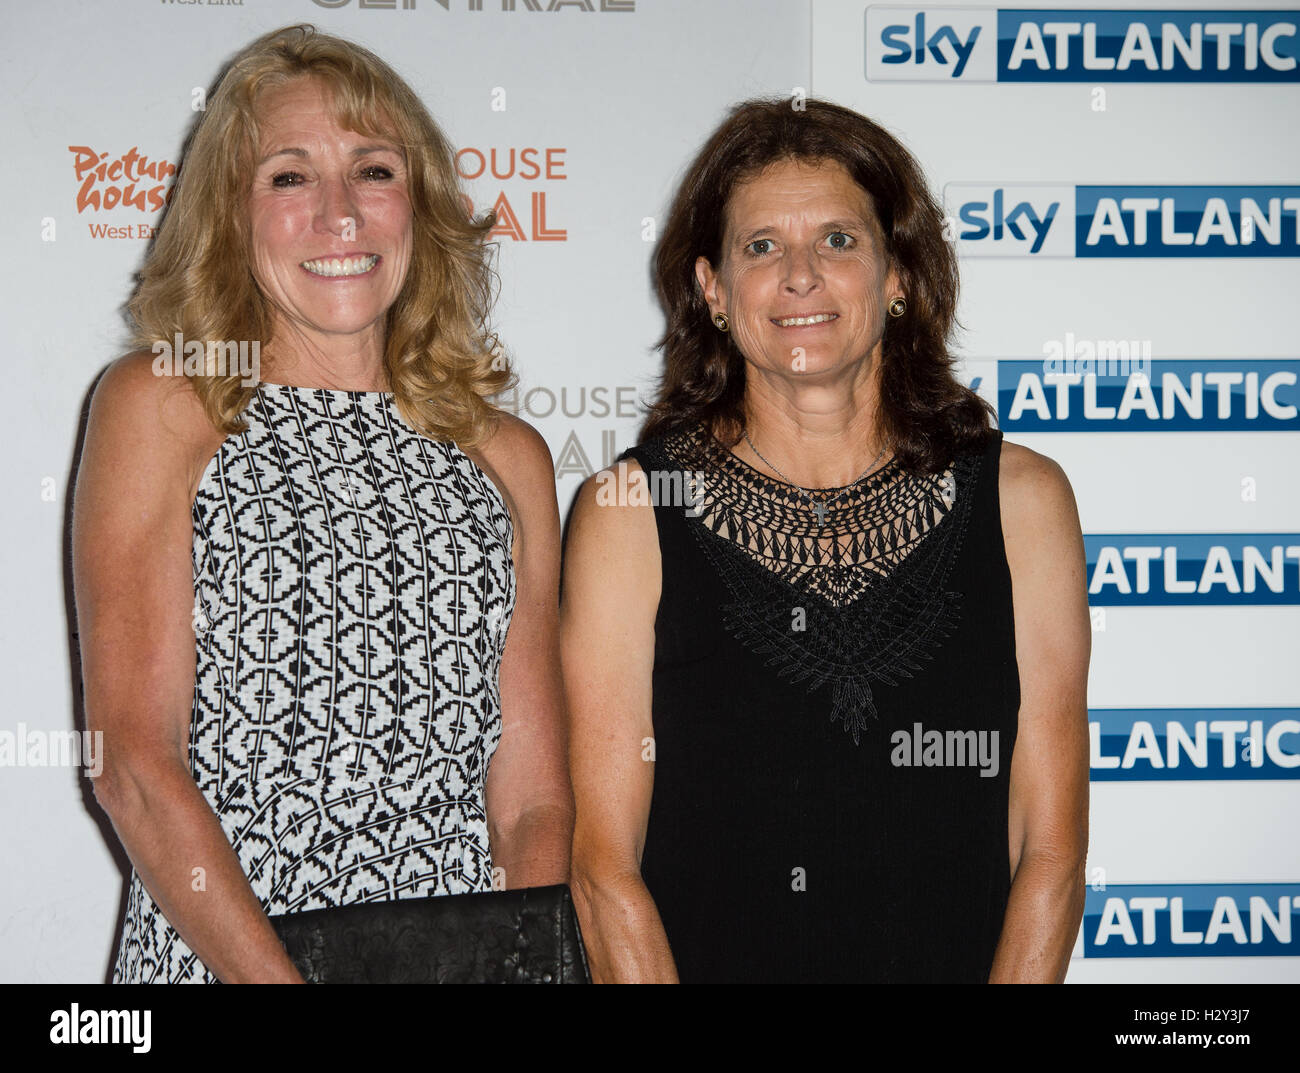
column 848, row 223
column 361, row 150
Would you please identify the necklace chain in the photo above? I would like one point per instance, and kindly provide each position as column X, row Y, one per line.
column 818, row 505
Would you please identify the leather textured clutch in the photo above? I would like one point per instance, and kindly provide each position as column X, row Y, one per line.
column 525, row 936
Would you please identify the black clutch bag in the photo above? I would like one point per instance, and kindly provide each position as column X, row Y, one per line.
column 526, row 936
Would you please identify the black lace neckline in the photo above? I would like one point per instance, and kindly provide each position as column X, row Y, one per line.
column 859, row 602
column 869, row 530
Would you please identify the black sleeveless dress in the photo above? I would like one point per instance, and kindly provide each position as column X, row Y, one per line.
column 832, row 740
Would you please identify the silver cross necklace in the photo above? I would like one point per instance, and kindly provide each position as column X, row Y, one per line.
column 818, row 505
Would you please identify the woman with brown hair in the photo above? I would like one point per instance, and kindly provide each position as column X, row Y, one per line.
column 825, row 635
column 294, row 594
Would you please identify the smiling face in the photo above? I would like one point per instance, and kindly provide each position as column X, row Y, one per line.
column 329, row 220
column 803, row 277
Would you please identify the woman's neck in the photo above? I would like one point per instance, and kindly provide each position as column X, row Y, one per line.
column 812, row 437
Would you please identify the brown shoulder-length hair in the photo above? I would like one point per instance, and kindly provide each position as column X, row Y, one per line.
column 441, row 359
column 926, row 414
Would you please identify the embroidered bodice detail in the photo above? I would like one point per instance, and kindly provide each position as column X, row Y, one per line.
column 863, row 599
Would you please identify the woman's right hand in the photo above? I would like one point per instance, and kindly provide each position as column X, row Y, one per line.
column 147, row 443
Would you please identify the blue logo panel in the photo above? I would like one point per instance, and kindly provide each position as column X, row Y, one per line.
column 1061, row 220
column 1193, row 744
column 973, row 44
column 1113, row 387
column 1148, row 46
column 1186, row 569
column 1186, row 221
column 1192, row 920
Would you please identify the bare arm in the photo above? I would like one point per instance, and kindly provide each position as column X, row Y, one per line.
column 611, row 595
column 1048, row 808
column 529, row 797
column 135, row 599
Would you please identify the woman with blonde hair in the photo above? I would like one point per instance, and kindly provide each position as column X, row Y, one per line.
column 317, row 611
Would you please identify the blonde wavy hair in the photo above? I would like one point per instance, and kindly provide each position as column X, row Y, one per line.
column 441, row 357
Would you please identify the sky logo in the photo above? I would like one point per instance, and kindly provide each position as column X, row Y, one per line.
column 1081, row 394
column 1192, row 920
column 929, row 45
column 940, row 44
column 1012, row 220
column 1185, row 569
column 1193, row 744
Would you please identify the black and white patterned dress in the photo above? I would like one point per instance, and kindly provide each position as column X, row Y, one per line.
column 354, row 586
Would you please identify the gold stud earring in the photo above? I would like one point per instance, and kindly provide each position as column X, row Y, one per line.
column 898, row 307
column 720, row 319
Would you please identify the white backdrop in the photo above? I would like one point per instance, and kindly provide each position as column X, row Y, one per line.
column 1182, row 837
column 622, row 99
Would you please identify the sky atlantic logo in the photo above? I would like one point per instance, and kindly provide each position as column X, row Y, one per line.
column 1115, row 387
column 1186, row 569
column 1194, row 744
column 945, row 44
column 1192, row 920
column 1061, row 220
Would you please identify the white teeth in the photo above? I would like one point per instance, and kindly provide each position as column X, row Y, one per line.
column 795, row 322
column 342, row 266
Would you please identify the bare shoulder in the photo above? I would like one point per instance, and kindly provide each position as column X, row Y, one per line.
column 1034, row 491
column 515, row 446
column 611, row 555
column 614, row 525
column 1040, row 523
column 518, row 461
column 155, row 423
column 616, row 502
column 131, row 388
